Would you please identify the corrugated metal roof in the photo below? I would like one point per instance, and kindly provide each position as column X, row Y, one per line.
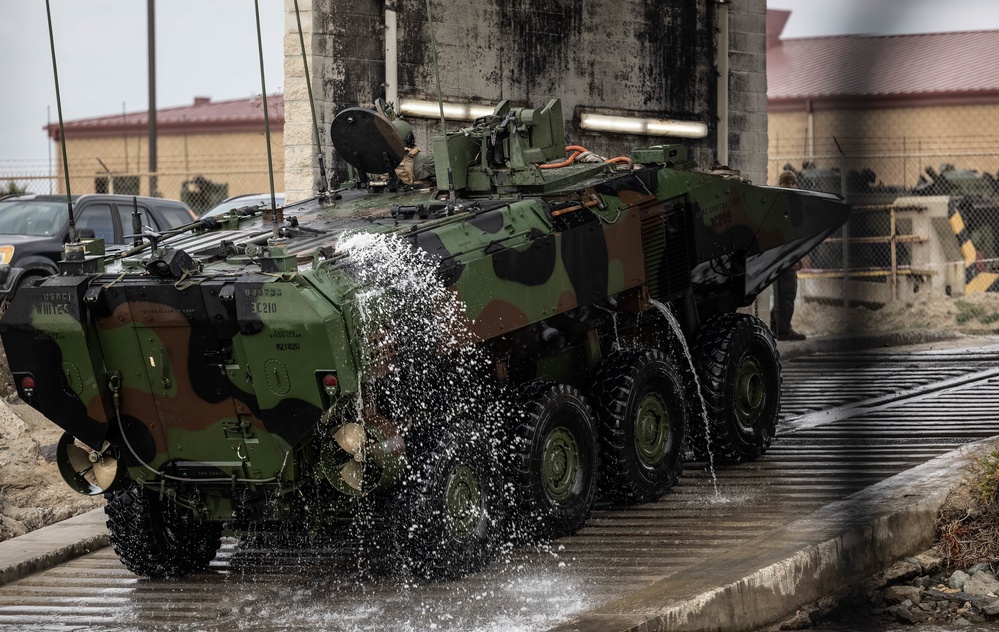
column 202, row 114
column 884, row 65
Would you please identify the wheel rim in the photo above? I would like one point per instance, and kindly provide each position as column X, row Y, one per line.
column 560, row 463
column 651, row 429
column 750, row 391
column 463, row 500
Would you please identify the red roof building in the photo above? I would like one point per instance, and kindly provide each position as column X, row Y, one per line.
column 881, row 70
column 221, row 143
column 893, row 103
column 204, row 116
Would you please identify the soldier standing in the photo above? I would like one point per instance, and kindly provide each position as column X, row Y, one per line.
column 786, row 285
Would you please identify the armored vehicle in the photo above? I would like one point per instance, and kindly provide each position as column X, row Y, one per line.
column 575, row 330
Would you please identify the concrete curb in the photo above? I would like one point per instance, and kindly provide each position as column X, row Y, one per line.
column 770, row 577
column 52, row 545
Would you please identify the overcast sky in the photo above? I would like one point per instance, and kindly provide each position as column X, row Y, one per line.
column 813, row 18
column 203, row 48
column 209, row 48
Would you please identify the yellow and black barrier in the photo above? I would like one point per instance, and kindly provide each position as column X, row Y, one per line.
column 975, row 280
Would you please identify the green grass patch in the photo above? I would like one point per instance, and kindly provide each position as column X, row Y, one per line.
column 966, row 312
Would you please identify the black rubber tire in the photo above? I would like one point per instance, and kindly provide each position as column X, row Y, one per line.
column 158, row 539
column 641, row 407
column 554, row 423
column 29, row 279
column 739, row 370
column 461, row 464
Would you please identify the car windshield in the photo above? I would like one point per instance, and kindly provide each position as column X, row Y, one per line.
column 262, row 200
column 32, row 217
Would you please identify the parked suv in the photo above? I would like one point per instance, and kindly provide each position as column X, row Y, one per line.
column 33, row 229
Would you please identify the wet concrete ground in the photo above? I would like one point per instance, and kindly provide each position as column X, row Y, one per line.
column 611, row 574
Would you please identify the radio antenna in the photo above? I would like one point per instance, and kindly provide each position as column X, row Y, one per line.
column 62, row 131
column 440, row 105
column 267, row 121
column 323, row 191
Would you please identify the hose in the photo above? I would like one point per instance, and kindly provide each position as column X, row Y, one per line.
column 578, row 151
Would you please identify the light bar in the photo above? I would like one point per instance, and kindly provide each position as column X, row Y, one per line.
column 452, row 111
column 635, row 125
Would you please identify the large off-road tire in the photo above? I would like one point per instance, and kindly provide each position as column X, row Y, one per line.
column 159, row 539
column 643, row 414
column 451, row 512
column 555, row 460
column 739, row 370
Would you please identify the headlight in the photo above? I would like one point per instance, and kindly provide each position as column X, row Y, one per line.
column 6, row 254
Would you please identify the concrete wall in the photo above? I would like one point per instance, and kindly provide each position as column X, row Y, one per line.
column 653, row 58
column 748, row 89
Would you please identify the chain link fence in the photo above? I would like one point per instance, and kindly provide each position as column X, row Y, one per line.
column 201, row 180
column 925, row 216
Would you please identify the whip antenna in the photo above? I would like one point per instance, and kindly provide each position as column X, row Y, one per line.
column 312, row 105
column 440, row 104
column 62, row 131
column 267, row 120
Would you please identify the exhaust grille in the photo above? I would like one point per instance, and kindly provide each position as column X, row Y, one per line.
column 667, row 260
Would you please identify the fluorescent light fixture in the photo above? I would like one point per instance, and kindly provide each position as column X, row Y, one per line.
column 651, row 127
column 452, row 111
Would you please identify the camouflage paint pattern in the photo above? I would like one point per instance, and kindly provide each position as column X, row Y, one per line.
column 219, row 375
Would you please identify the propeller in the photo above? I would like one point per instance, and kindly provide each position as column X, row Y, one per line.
column 353, row 474
column 87, row 470
column 360, row 456
column 351, row 438
column 346, row 461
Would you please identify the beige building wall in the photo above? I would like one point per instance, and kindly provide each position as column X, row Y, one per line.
column 238, row 159
column 896, row 143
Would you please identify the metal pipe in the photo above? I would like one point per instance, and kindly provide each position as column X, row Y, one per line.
column 151, row 27
column 894, row 254
column 810, row 132
column 110, row 177
column 722, row 63
column 48, row 116
column 391, row 54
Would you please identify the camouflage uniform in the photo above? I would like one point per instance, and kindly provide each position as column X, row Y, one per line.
column 416, row 167
column 786, row 285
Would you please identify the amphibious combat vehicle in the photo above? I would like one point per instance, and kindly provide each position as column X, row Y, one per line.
column 254, row 373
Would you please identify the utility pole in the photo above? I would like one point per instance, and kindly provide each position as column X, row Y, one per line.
column 151, row 19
